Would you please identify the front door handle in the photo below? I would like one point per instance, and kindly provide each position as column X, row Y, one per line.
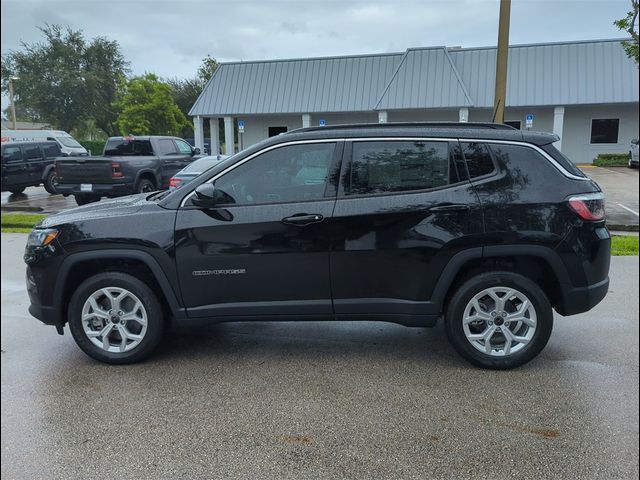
column 450, row 207
column 302, row 219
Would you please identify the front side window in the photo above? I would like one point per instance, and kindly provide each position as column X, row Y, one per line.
column 478, row 157
column 52, row 151
column 605, row 130
column 12, row 155
column 167, row 147
column 184, row 147
column 399, row 166
column 294, row 173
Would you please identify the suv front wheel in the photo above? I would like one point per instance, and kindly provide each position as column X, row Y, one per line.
column 115, row 318
column 499, row 320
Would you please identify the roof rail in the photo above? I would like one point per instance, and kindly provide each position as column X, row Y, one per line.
column 466, row 125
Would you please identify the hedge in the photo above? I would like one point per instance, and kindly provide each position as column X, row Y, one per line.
column 611, row 160
column 94, row 146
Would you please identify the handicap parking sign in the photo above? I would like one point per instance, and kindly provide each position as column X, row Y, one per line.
column 323, row 123
column 241, row 126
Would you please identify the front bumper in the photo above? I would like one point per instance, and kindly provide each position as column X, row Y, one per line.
column 46, row 314
column 582, row 299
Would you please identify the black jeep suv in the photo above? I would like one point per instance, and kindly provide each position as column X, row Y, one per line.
column 485, row 226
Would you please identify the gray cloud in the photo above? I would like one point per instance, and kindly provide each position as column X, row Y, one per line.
column 171, row 37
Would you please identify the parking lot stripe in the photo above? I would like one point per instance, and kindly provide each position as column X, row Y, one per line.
column 629, row 210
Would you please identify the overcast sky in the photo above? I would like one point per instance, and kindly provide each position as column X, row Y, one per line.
column 171, row 37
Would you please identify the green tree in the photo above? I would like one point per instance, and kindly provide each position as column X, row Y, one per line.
column 65, row 79
column 630, row 25
column 206, row 69
column 147, row 108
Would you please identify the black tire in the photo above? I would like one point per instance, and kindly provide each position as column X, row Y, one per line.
column 50, row 183
column 464, row 294
column 155, row 320
column 17, row 191
column 145, row 186
column 86, row 199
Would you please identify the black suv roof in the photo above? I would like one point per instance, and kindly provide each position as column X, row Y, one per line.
column 487, row 131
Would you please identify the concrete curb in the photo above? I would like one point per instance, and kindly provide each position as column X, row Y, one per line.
column 622, row 228
column 16, row 208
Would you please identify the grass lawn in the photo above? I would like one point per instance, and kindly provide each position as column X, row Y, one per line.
column 19, row 223
column 624, row 246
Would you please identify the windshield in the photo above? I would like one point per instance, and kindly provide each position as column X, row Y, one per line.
column 120, row 146
column 201, row 165
column 69, row 142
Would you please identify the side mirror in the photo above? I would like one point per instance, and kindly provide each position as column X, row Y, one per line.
column 205, row 195
column 634, row 141
column 195, row 151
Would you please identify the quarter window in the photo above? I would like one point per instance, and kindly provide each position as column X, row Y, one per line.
column 294, row 173
column 478, row 159
column 605, row 130
column 397, row 166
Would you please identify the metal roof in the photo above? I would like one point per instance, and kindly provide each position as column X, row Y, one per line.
column 585, row 72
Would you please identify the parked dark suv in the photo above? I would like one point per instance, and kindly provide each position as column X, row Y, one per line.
column 29, row 164
column 485, row 226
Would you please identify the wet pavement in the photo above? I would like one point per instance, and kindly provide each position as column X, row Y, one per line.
column 619, row 184
column 320, row 400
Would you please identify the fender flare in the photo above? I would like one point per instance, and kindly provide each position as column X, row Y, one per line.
column 145, row 171
column 46, row 171
column 146, row 258
column 459, row 260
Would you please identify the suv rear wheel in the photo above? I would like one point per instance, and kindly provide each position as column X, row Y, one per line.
column 115, row 318
column 499, row 320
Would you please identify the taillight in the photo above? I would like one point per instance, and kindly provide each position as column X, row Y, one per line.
column 116, row 171
column 589, row 207
column 174, row 182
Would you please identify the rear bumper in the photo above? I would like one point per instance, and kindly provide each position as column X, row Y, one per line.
column 102, row 189
column 582, row 299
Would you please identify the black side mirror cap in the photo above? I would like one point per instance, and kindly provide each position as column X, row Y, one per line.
column 205, row 195
column 195, row 151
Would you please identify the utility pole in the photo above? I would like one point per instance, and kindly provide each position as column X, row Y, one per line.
column 13, row 106
column 500, row 96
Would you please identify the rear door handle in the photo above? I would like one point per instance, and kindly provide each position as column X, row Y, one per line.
column 450, row 207
column 302, row 219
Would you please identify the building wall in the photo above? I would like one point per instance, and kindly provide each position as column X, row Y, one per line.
column 577, row 130
column 575, row 139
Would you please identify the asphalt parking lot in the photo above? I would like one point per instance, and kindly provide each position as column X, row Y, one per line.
column 320, row 400
column 619, row 184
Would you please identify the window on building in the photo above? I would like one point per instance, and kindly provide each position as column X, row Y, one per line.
column 399, row 166
column 293, row 173
column 605, row 130
column 273, row 131
column 478, row 157
column 517, row 124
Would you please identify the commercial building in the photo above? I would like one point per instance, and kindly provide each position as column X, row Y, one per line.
column 585, row 91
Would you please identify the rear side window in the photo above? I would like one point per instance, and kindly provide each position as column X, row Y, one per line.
column 12, row 155
column 125, row 147
column 399, row 166
column 52, row 150
column 33, row 152
column 478, row 157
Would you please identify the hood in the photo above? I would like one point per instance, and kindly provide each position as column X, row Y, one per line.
column 104, row 209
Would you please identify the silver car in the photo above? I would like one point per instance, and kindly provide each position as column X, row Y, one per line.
column 194, row 169
column 633, row 154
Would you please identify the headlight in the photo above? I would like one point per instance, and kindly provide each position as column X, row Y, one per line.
column 42, row 237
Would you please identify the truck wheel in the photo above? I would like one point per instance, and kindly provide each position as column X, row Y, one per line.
column 115, row 318
column 50, row 182
column 145, row 186
column 85, row 199
column 499, row 320
column 17, row 191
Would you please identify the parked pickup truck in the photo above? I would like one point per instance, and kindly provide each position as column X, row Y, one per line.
column 128, row 165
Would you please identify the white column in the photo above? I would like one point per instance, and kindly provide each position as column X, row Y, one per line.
column 198, row 135
column 463, row 115
column 215, row 134
column 306, row 120
column 558, row 125
column 228, row 135
column 382, row 116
